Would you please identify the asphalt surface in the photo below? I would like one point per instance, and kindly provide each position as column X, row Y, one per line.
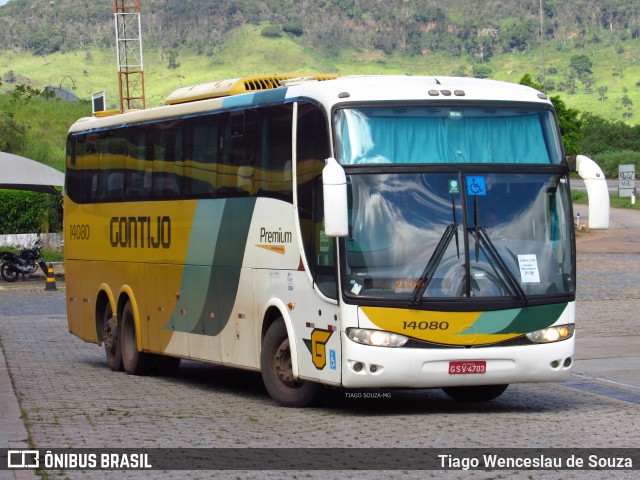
column 55, row 390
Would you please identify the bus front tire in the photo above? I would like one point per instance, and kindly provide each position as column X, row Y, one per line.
column 133, row 361
column 111, row 339
column 277, row 370
column 477, row 393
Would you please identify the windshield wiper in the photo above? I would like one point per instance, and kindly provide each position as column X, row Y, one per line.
column 434, row 261
column 436, row 257
column 481, row 236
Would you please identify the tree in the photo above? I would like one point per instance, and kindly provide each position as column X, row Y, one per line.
column 568, row 119
column 602, row 93
column 173, row 57
column 581, row 65
column 481, row 71
column 13, row 135
column 600, row 135
column 570, row 126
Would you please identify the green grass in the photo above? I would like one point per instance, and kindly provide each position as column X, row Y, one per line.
column 47, row 123
column 49, row 255
column 247, row 52
column 614, row 200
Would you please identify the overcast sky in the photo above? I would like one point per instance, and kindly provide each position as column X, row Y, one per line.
column 2, row 2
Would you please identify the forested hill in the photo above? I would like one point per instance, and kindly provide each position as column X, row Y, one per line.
column 457, row 27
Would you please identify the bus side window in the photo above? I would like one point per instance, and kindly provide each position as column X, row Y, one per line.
column 236, row 174
column 112, row 154
column 324, row 248
column 312, row 140
column 272, row 175
column 82, row 176
column 139, row 164
column 201, row 140
column 167, row 161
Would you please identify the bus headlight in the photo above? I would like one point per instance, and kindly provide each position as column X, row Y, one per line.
column 552, row 334
column 376, row 338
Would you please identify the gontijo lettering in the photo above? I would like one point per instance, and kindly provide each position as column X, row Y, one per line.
column 140, row 232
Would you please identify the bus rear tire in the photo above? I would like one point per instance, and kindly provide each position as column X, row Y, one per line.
column 277, row 370
column 133, row 361
column 477, row 393
column 111, row 339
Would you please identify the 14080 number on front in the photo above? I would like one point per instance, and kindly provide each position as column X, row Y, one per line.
column 425, row 325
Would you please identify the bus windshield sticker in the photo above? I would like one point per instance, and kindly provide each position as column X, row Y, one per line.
column 529, row 268
column 476, row 186
column 453, row 186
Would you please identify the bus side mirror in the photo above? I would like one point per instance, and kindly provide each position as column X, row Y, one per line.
column 334, row 189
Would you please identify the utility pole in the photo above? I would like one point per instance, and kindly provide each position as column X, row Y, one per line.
column 129, row 52
column 544, row 75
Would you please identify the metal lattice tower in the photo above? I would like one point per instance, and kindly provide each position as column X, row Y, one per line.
column 129, row 51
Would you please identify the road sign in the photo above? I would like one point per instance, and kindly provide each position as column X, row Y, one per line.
column 626, row 180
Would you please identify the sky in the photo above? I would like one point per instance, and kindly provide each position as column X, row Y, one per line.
column 2, row 2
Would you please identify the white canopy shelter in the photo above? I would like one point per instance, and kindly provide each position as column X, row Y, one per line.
column 20, row 173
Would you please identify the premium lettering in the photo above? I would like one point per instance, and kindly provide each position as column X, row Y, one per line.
column 275, row 236
column 140, row 232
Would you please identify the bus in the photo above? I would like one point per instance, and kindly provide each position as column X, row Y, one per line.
column 357, row 232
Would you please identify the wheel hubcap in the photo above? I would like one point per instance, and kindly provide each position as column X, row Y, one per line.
column 109, row 334
column 283, row 365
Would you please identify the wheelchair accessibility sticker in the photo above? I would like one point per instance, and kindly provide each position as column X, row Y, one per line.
column 476, row 185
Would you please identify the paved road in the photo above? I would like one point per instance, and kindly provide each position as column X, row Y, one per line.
column 69, row 397
column 578, row 184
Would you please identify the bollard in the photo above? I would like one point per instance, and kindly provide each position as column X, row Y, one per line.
column 51, row 279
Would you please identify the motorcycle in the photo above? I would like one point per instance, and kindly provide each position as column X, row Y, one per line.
column 25, row 263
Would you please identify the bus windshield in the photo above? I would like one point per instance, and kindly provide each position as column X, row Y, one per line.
column 413, row 135
column 422, row 236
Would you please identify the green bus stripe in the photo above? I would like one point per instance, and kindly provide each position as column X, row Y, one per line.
column 227, row 263
column 535, row 318
column 218, row 237
column 516, row 320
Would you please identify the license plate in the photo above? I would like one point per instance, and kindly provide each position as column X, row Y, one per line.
column 468, row 368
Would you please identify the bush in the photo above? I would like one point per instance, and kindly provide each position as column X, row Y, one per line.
column 29, row 212
column 271, row 32
column 601, row 136
column 609, row 161
column 293, row 29
column 481, row 71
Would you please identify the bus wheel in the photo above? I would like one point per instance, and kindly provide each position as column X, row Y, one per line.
column 478, row 393
column 111, row 339
column 277, row 371
column 133, row 361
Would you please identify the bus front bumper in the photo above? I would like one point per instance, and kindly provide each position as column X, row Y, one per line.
column 366, row 366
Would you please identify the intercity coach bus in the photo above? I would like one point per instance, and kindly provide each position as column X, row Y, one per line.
column 355, row 232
